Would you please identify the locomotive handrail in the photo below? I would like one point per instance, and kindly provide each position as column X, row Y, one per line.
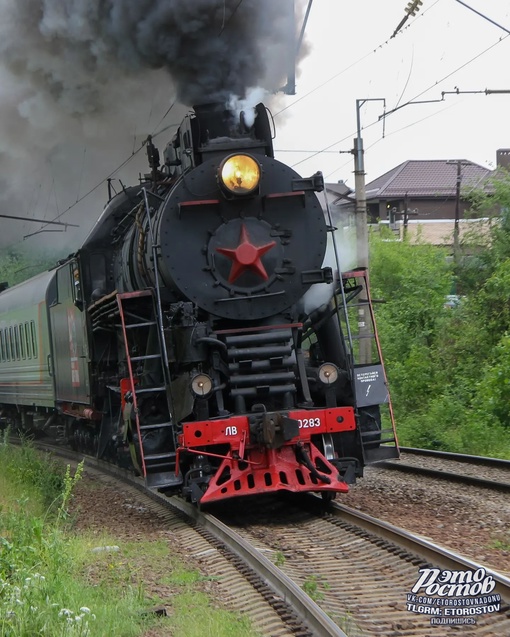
column 159, row 312
column 252, row 296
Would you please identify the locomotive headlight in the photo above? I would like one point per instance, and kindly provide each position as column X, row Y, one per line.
column 328, row 373
column 201, row 385
column 239, row 174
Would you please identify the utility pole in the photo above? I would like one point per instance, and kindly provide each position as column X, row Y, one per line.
column 361, row 205
column 365, row 346
column 457, row 214
column 456, row 228
column 406, row 214
column 359, row 187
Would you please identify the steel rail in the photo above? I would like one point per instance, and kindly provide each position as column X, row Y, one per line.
column 474, row 461
column 459, row 457
column 447, row 475
column 319, row 622
column 310, row 613
column 419, row 545
column 305, row 608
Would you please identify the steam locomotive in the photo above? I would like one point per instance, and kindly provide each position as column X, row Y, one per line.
column 184, row 337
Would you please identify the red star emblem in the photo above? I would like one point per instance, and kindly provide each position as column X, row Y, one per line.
column 246, row 257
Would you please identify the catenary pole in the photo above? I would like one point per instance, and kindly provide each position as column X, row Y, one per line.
column 359, row 187
column 365, row 354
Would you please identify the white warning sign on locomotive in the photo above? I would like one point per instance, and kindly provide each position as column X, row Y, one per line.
column 370, row 385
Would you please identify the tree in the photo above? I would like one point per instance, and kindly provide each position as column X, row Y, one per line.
column 18, row 265
column 448, row 368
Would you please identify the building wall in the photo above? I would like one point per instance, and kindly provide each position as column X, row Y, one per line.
column 440, row 232
column 426, row 209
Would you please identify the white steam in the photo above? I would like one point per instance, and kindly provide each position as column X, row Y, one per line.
column 345, row 239
column 247, row 105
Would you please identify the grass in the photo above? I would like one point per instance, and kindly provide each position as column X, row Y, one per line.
column 41, row 589
column 53, row 584
column 196, row 616
column 279, row 558
column 313, row 585
column 502, row 545
column 10, row 496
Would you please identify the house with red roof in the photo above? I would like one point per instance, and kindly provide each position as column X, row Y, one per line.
column 421, row 195
column 425, row 189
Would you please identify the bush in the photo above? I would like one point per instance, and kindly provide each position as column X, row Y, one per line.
column 493, row 390
column 448, row 368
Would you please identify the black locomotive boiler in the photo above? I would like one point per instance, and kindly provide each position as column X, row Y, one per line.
column 184, row 334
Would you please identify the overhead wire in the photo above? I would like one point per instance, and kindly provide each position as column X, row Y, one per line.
column 225, row 24
column 485, row 17
column 399, row 130
column 110, row 175
column 436, row 83
column 347, row 68
column 314, row 153
column 316, row 88
column 473, row 59
column 408, row 78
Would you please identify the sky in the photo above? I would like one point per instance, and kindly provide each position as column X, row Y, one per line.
column 71, row 115
column 353, row 57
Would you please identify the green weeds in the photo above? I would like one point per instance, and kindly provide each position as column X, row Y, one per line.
column 55, row 584
column 34, row 473
column 42, row 591
column 313, row 585
column 502, row 545
column 279, row 558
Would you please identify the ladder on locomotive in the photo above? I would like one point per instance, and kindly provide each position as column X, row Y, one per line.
column 370, row 382
column 139, row 318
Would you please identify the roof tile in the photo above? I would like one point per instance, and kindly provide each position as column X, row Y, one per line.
column 426, row 178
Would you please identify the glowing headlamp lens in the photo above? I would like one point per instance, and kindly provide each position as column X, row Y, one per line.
column 328, row 373
column 201, row 385
column 240, row 174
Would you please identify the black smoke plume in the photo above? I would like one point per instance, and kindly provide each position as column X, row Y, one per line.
column 83, row 81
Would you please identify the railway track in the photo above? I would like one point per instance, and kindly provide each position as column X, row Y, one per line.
column 248, row 580
column 360, row 571
column 364, row 569
column 479, row 471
